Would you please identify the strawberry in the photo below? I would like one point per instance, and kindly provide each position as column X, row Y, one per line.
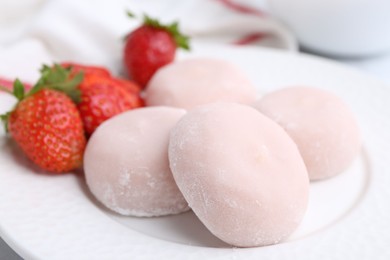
column 150, row 47
column 102, row 96
column 130, row 85
column 46, row 124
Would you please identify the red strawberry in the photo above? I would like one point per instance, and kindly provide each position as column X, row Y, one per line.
column 46, row 124
column 150, row 47
column 130, row 85
column 103, row 98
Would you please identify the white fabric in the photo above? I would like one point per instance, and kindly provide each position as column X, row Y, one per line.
column 92, row 31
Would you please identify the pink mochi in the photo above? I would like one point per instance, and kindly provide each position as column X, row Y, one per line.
column 321, row 125
column 240, row 172
column 197, row 81
column 126, row 163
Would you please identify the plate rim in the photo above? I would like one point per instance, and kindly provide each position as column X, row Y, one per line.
column 24, row 252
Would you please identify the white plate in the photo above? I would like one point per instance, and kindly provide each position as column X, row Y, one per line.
column 55, row 217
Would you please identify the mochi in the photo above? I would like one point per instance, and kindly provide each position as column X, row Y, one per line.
column 197, row 81
column 240, row 172
column 320, row 123
column 126, row 163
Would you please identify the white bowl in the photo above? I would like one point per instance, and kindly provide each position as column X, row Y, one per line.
column 338, row 27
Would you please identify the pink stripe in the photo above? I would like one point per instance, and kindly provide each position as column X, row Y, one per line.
column 6, row 83
column 241, row 8
column 250, row 38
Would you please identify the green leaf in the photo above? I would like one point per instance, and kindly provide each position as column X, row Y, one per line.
column 59, row 78
column 77, row 79
column 181, row 40
column 42, row 81
column 37, row 87
column 69, row 87
column 153, row 22
column 5, row 118
column 75, row 95
column 18, row 90
column 44, row 68
column 61, row 74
